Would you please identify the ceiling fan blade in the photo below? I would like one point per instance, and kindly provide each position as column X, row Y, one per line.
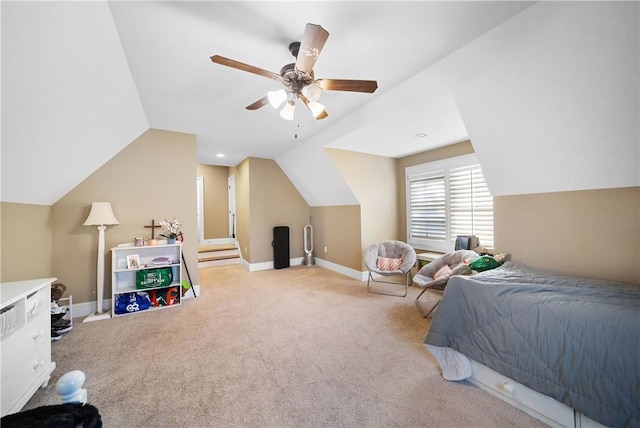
column 348, row 85
column 244, row 67
column 258, row 104
column 310, row 47
column 305, row 100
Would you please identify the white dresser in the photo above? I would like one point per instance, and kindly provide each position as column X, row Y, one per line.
column 25, row 343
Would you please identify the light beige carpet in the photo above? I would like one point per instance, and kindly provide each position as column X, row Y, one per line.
column 295, row 347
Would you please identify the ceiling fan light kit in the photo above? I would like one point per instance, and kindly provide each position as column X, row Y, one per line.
column 276, row 98
column 312, row 92
column 298, row 78
column 288, row 110
column 316, row 108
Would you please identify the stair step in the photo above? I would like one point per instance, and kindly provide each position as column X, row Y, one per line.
column 221, row 262
column 219, row 247
column 216, row 254
column 218, row 257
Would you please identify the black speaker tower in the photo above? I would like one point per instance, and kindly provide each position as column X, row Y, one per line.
column 280, row 245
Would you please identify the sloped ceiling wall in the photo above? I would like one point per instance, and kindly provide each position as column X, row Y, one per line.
column 550, row 100
column 93, row 103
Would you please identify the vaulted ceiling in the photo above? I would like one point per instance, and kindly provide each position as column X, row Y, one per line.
column 548, row 92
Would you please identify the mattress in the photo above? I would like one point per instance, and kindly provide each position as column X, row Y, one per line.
column 573, row 339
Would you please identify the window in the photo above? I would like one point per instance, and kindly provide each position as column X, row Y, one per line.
column 445, row 199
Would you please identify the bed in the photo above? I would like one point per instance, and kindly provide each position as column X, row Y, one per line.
column 572, row 339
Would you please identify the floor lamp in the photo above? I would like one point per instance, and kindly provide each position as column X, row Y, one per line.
column 101, row 215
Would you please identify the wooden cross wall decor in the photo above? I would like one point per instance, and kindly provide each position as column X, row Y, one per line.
column 153, row 228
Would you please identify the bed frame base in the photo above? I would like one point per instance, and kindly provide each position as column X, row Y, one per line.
column 538, row 405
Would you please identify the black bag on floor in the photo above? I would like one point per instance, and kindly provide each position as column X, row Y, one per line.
column 68, row 415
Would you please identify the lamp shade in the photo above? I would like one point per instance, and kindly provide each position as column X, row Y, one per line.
column 101, row 214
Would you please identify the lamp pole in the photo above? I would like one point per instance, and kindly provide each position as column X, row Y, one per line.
column 101, row 215
column 100, row 274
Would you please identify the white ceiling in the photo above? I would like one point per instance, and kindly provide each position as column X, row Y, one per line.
column 83, row 79
column 168, row 45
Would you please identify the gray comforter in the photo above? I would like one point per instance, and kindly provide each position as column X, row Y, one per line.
column 576, row 340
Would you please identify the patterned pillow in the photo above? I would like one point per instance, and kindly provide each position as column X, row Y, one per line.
column 444, row 270
column 386, row 263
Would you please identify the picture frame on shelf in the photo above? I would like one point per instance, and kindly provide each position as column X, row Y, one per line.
column 133, row 261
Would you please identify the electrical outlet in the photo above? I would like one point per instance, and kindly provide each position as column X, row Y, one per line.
column 245, row 249
column 325, row 249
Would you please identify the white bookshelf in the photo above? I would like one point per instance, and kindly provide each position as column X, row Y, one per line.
column 123, row 278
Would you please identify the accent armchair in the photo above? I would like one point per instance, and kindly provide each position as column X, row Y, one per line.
column 436, row 274
column 386, row 259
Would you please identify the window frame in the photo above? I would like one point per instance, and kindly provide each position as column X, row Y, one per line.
column 431, row 169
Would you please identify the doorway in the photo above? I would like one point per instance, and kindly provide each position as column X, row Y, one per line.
column 210, row 211
column 232, row 208
column 200, row 208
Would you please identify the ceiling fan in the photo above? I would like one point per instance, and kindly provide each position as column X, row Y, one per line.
column 298, row 78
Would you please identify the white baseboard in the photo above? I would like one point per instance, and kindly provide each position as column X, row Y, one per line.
column 80, row 310
column 351, row 273
column 255, row 267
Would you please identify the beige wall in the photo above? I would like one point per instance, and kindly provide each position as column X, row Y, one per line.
column 216, row 200
column 592, row 233
column 338, row 229
column 372, row 179
column 26, row 242
column 243, row 208
column 266, row 198
column 154, row 177
column 274, row 202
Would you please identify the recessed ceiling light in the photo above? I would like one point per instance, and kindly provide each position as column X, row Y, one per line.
column 220, row 155
column 421, row 135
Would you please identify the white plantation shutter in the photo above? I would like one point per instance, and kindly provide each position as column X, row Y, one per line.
column 471, row 204
column 446, row 199
column 428, row 217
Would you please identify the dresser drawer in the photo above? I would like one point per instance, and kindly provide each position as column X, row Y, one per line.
column 18, row 347
column 38, row 303
column 26, row 378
